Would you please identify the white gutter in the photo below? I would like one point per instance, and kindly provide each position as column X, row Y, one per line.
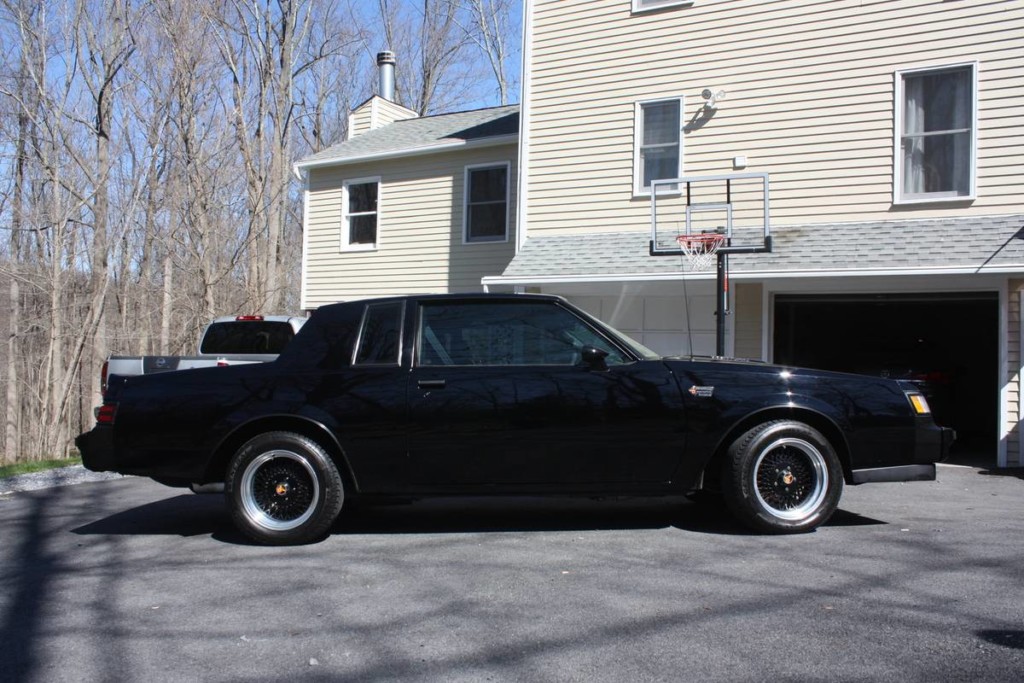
column 409, row 152
column 747, row 275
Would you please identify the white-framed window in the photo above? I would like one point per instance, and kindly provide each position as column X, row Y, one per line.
column 645, row 5
column 359, row 212
column 485, row 210
column 936, row 134
column 658, row 142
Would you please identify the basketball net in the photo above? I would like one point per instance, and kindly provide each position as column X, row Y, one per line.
column 701, row 249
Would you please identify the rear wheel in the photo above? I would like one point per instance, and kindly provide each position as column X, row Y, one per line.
column 782, row 477
column 283, row 489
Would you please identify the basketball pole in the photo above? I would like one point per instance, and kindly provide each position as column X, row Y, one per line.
column 721, row 305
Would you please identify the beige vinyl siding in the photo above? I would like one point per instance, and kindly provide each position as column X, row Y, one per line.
column 748, row 308
column 810, row 100
column 374, row 113
column 419, row 230
column 389, row 112
column 361, row 119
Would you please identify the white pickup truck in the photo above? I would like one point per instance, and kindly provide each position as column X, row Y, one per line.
column 229, row 340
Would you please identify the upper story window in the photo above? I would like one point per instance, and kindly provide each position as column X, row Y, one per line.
column 641, row 5
column 486, row 210
column 359, row 214
column 936, row 124
column 659, row 142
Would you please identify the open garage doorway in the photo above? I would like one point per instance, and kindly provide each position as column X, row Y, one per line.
column 947, row 343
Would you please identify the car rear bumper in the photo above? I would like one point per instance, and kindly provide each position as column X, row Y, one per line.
column 97, row 449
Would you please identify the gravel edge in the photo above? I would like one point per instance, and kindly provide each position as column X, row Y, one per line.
column 61, row 476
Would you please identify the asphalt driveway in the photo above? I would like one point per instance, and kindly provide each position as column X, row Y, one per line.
column 130, row 581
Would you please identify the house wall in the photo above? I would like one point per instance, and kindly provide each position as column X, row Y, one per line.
column 670, row 318
column 810, row 100
column 749, row 320
column 1012, row 373
column 374, row 113
column 419, row 230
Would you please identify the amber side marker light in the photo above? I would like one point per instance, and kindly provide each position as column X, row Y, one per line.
column 919, row 403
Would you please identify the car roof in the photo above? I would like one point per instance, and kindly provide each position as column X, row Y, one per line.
column 465, row 296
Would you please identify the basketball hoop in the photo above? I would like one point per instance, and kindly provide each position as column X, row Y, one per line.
column 701, row 249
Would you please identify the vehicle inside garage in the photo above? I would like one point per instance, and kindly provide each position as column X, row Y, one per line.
column 946, row 343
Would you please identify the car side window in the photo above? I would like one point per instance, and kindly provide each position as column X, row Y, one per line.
column 380, row 335
column 506, row 333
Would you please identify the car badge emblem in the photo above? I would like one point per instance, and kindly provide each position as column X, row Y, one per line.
column 701, row 392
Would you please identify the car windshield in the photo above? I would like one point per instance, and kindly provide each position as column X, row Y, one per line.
column 636, row 347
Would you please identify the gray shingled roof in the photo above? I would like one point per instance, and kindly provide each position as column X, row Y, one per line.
column 419, row 134
column 985, row 244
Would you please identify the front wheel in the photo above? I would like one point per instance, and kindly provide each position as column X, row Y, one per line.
column 283, row 489
column 782, row 477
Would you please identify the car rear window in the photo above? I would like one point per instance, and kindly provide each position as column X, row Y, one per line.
column 246, row 336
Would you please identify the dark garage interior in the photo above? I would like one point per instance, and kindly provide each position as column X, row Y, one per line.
column 946, row 343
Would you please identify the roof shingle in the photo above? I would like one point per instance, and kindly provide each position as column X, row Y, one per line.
column 411, row 135
column 994, row 243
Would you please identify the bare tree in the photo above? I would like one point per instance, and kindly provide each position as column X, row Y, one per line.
column 490, row 29
column 431, row 75
column 145, row 156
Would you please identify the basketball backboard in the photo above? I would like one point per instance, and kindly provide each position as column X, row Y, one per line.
column 735, row 205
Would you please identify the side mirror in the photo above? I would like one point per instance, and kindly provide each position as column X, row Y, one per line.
column 593, row 357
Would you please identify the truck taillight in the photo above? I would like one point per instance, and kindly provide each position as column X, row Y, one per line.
column 103, row 376
column 106, row 413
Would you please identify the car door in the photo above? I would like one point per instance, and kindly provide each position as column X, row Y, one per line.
column 516, row 394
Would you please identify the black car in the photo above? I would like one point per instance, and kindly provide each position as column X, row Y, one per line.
column 505, row 394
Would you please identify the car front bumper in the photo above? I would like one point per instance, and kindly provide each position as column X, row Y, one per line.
column 932, row 445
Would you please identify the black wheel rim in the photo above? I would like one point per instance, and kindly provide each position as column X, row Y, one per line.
column 279, row 490
column 791, row 479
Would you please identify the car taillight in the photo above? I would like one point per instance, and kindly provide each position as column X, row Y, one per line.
column 105, row 415
column 249, row 317
column 103, row 376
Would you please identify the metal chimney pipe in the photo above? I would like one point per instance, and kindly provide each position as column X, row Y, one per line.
column 386, row 75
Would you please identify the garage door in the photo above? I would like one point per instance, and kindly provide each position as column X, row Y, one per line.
column 947, row 343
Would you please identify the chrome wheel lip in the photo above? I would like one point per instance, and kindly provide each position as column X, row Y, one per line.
column 818, row 465
column 255, row 512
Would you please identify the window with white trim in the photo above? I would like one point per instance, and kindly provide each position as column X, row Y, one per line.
column 659, row 142
column 486, row 203
column 643, row 5
column 359, row 214
column 936, row 124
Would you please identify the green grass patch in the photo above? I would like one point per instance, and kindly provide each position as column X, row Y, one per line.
column 37, row 466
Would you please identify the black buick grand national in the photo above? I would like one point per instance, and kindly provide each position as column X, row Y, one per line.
column 505, row 394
